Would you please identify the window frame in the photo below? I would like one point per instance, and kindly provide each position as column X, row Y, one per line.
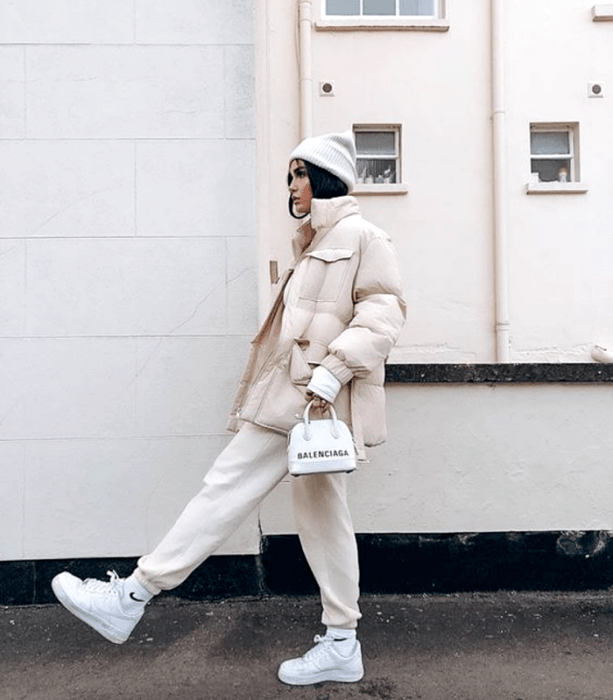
column 573, row 185
column 433, row 23
column 396, row 15
column 397, row 187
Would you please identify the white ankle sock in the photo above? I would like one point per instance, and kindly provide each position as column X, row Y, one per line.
column 137, row 596
column 339, row 633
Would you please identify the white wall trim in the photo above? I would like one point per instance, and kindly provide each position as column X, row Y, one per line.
column 556, row 188
column 397, row 188
column 602, row 13
column 362, row 24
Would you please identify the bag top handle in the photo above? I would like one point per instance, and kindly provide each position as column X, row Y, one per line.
column 307, row 421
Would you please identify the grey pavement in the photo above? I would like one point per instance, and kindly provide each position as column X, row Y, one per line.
column 498, row 646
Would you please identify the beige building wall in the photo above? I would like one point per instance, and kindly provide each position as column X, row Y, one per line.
column 462, row 457
column 478, row 458
column 404, row 77
column 560, row 247
column 437, row 85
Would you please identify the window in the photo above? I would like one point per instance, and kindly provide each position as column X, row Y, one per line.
column 378, row 154
column 378, row 15
column 552, row 153
column 382, row 8
column 554, row 160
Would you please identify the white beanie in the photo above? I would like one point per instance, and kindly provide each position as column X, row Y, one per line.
column 332, row 152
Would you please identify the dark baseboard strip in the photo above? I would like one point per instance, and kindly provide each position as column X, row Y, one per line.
column 578, row 373
column 29, row 582
column 390, row 563
column 452, row 563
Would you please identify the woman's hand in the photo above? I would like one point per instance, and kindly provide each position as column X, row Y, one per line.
column 323, row 383
column 318, row 402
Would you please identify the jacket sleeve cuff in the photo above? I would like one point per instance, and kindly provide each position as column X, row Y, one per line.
column 323, row 383
column 338, row 368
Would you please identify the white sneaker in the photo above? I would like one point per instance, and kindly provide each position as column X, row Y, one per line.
column 107, row 606
column 329, row 660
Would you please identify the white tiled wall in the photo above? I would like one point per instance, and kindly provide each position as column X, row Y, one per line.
column 125, row 287
column 124, row 486
column 223, row 22
column 61, row 189
column 195, row 187
column 127, row 264
column 125, row 92
column 12, row 92
column 476, row 458
column 66, row 22
column 238, row 62
column 66, row 387
column 12, row 287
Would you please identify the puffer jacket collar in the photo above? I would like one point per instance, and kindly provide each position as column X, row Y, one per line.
column 325, row 214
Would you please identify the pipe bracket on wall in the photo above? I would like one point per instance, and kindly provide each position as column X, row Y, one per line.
column 273, row 268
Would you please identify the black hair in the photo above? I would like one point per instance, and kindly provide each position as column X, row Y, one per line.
column 324, row 185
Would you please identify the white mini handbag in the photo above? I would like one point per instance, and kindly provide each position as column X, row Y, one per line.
column 320, row 446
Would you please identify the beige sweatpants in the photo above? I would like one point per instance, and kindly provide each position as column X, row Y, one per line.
column 248, row 469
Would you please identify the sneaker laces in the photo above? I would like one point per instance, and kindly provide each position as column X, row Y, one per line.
column 322, row 643
column 96, row 586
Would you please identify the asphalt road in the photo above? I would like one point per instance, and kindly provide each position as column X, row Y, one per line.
column 499, row 646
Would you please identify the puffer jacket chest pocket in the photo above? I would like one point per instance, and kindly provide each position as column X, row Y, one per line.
column 326, row 273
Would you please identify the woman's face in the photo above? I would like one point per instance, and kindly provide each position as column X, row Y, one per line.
column 300, row 187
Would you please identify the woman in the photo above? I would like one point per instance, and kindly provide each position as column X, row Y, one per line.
column 336, row 317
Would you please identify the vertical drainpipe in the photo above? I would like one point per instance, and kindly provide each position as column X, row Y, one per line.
column 306, row 77
column 500, row 215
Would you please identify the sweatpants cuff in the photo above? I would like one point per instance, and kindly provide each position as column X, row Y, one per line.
column 154, row 590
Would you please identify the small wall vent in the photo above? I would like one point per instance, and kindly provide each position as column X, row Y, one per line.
column 595, row 90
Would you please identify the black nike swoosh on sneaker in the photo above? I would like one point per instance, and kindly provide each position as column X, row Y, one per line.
column 133, row 597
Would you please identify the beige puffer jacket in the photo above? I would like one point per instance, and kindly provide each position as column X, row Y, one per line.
column 340, row 305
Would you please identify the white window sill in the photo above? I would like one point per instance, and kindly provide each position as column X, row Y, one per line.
column 364, row 24
column 556, row 188
column 602, row 13
column 396, row 188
